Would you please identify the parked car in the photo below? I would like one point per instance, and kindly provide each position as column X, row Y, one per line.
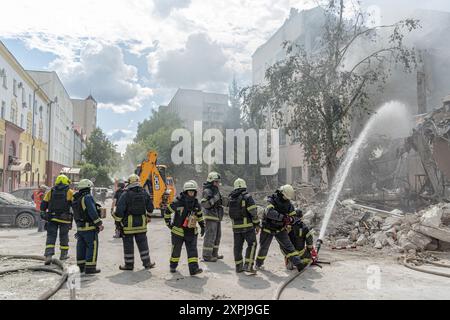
column 17, row 212
column 24, row 193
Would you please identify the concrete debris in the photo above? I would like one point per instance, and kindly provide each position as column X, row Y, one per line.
column 432, row 218
column 427, row 230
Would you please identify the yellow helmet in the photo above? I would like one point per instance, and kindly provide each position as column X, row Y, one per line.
column 213, row 176
column 62, row 179
column 134, row 178
column 240, row 184
column 288, row 192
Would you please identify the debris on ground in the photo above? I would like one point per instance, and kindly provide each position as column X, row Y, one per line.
column 363, row 226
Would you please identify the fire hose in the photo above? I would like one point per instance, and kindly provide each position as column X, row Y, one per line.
column 407, row 263
column 283, row 286
column 62, row 272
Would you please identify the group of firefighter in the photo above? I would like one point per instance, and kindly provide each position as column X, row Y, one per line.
column 133, row 205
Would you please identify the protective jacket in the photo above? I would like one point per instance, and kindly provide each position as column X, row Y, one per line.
column 86, row 214
column 180, row 211
column 277, row 210
column 212, row 202
column 57, row 203
column 133, row 210
column 243, row 211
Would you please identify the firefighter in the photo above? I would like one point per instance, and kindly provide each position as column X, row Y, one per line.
column 133, row 214
column 120, row 190
column 89, row 224
column 182, row 217
column 213, row 213
column 278, row 216
column 55, row 209
column 246, row 225
column 303, row 240
column 37, row 197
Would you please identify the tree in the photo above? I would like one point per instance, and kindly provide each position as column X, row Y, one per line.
column 315, row 94
column 99, row 150
column 101, row 159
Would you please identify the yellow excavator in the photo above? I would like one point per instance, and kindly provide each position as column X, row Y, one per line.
column 154, row 179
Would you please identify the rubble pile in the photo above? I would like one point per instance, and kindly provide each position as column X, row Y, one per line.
column 427, row 230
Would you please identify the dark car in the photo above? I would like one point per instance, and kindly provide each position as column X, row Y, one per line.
column 24, row 194
column 17, row 212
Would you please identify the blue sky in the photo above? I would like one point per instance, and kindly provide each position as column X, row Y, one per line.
column 132, row 55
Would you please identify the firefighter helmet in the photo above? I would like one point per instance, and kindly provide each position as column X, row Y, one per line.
column 213, row 176
column 190, row 185
column 85, row 184
column 288, row 192
column 133, row 178
column 240, row 184
column 62, row 179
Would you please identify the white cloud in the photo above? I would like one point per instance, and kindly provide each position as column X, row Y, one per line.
column 121, row 138
column 165, row 7
column 201, row 62
column 101, row 70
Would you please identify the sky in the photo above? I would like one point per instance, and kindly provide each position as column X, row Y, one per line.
column 133, row 55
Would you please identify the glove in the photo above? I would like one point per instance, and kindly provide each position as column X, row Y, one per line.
column 288, row 220
column 314, row 255
column 43, row 215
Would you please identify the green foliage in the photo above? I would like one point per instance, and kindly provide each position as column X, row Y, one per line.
column 99, row 150
column 101, row 159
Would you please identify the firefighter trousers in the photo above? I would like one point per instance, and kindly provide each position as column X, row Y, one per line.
column 142, row 244
column 211, row 242
column 283, row 240
column 52, row 235
column 87, row 249
column 190, row 241
column 239, row 240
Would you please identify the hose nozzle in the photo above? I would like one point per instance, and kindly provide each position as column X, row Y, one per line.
column 319, row 245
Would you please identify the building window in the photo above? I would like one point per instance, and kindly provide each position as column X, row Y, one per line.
column 24, row 102
column 21, row 120
column 39, row 157
column 29, row 100
column 282, row 176
column 15, row 87
column 20, row 150
column 3, row 109
column 28, row 153
column 5, row 78
column 1, row 143
column 282, row 137
column 297, row 174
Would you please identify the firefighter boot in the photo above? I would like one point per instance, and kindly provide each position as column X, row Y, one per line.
column 239, row 268
column 48, row 260
column 249, row 270
column 127, row 267
column 150, row 266
column 196, row 272
column 64, row 255
column 89, row 271
column 210, row 259
column 300, row 267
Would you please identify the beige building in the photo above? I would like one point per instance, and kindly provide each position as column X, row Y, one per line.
column 23, row 126
column 85, row 115
column 196, row 105
column 302, row 28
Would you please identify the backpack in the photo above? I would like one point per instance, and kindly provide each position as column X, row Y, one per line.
column 237, row 210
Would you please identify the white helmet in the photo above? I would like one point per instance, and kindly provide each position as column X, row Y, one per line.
column 288, row 192
column 213, row 176
column 190, row 185
column 85, row 184
column 240, row 184
column 133, row 178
